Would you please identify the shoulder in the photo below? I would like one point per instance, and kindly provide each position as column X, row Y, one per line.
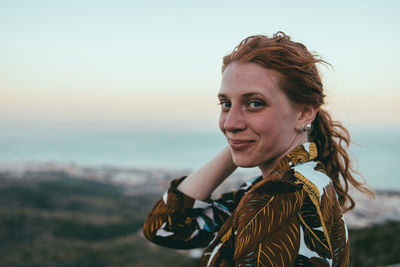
column 281, row 186
column 285, row 196
column 271, row 202
column 321, row 217
column 321, row 195
column 266, row 199
column 311, row 175
column 267, row 212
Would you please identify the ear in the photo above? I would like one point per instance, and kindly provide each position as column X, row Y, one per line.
column 307, row 115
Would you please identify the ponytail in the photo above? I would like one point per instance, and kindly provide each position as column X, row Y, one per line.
column 332, row 140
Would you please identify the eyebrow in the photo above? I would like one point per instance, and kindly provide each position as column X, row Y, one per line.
column 247, row 95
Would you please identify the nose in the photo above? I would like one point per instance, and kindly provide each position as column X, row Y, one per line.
column 234, row 120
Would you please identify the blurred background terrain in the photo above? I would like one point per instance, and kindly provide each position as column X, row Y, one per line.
column 52, row 219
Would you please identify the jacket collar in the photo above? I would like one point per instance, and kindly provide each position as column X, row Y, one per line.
column 301, row 154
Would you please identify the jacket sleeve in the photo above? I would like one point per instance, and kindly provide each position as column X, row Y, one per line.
column 179, row 221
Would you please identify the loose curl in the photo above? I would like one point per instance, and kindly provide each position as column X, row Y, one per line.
column 298, row 77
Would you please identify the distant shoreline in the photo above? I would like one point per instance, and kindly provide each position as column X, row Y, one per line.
column 386, row 206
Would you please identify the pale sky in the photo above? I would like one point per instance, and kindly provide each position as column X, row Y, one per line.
column 157, row 64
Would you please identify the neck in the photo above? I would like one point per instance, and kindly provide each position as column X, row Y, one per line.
column 268, row 167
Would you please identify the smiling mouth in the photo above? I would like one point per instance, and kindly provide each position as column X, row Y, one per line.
column 240, row 144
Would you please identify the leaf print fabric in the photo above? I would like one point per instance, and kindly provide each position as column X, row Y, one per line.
column 292, row 218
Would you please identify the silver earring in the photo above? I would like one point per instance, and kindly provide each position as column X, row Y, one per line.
column 306, row 127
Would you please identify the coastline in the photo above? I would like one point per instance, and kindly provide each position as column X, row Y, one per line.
column 384, row 208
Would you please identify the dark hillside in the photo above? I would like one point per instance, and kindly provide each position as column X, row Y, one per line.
column 377, row 245
column 50, row 219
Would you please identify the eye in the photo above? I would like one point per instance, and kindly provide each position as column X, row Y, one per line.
column 225, row 105
column 256, row 104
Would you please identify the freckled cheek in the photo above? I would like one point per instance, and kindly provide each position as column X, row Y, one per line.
column 266, row 130
column 264, row 125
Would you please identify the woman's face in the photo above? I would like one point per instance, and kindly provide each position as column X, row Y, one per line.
column 257, row 119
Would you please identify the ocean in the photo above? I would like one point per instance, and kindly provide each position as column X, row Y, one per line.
column 377, row 154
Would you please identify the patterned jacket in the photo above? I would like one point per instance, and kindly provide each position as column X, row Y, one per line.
column 293, row 218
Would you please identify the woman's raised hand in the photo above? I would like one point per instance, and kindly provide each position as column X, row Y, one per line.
column 202, row 182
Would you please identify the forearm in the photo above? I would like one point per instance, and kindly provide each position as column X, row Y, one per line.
column 174, row 220
column 201, row 183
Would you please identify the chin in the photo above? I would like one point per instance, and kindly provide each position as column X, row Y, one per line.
column 244, row 162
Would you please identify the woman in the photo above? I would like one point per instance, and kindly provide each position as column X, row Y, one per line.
column 271, row 97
